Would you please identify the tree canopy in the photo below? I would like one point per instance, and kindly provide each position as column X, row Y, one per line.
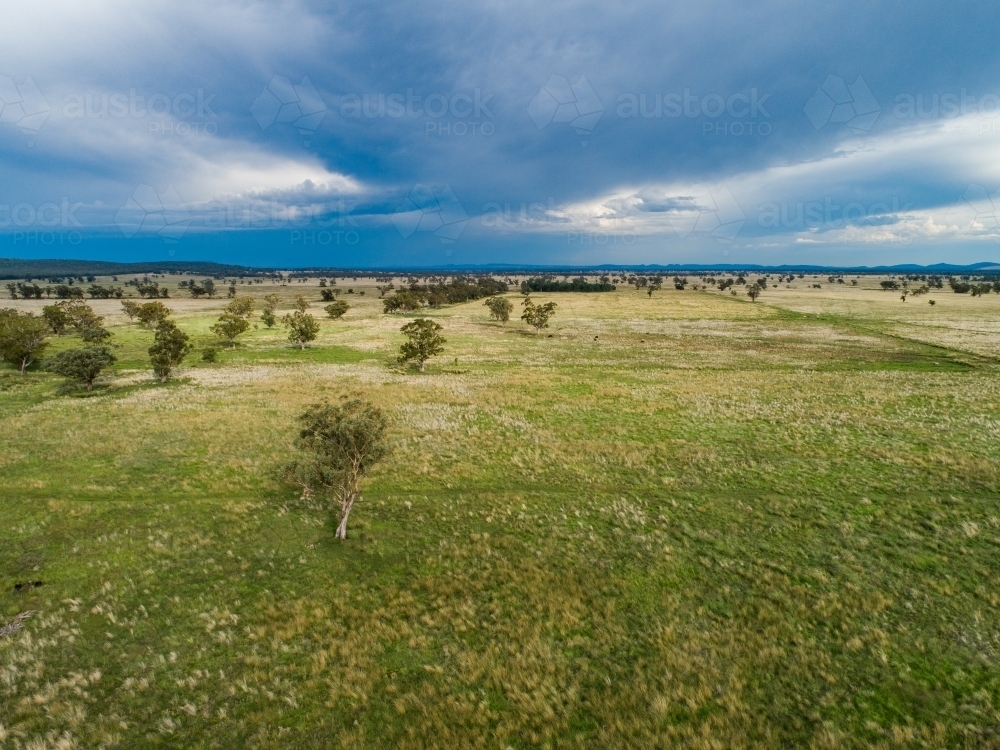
column 302, row 327
column 170, row 347
column 423, row 341
column 152, row 314
column 341, row 444
column 82, row 365
column 500, row 308
column 337, row 309
column 537, row 316
column 229, row 327
column 22, row 338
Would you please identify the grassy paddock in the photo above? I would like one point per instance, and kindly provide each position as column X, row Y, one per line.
column 684, row 521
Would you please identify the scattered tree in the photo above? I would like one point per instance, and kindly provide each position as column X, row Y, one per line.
column 229, row 327
column 423, row 341
column 404, row 301
column 302, row 327
column 85, row 321
column 233, row 320
column 337, row 309
column 753, row 292
column 170, row 347
column 341, row 444
column 500, row 308
column 57, row 318
column 152, row 314
column 267, row 317
column 147, row 289
column 95, row 334
column 22, row 338
column 130, row 308
column 301, row 303
column 77, row 315
column 537, row 316
column 241, row 306
column 81, row 365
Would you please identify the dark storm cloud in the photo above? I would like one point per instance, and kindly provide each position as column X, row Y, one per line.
column 673, row 122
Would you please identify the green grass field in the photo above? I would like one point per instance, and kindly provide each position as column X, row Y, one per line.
column 685, row 521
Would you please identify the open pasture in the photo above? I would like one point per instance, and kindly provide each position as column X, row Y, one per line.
column 684, row 520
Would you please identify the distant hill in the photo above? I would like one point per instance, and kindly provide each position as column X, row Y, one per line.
column 16, row 268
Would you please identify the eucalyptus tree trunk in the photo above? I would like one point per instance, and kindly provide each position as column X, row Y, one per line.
column 348, row 495
column 345, row 512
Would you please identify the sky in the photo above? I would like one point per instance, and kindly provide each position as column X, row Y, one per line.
column 385, row 134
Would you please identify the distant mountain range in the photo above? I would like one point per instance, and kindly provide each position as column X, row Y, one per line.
column 16, row 268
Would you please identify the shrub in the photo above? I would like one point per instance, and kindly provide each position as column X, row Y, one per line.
column 959, row 287
column 336, row 310
column 81, row 365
